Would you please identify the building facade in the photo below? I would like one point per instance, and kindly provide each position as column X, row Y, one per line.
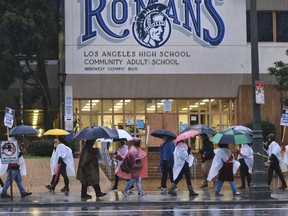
column 146, row 65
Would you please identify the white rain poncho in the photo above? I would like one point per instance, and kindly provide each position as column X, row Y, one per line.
column 275, row 149
column 246, row 152
column 180, row 156
column 65, row 153
column 221, row 156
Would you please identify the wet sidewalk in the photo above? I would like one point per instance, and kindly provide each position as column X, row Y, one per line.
column 153, row 197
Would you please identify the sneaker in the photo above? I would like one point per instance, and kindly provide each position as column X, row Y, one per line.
column 236, row 194
column 25, row 194
column 5, row 196
column 142, row 193
column 125, row 193
column 218, row 194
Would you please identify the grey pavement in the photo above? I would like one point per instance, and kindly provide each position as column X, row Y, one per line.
column 116, row 198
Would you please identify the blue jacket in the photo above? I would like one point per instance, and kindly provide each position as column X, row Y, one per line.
column 166, row 153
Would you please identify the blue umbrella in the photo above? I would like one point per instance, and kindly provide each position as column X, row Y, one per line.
column 23, row 130
column 201, row 128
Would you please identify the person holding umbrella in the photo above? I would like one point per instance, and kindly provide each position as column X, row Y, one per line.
column 119, row 156
column 62, row 163
column 183, row 159
column 166, row 161
column 88, row 170
column 17, row 171
column 207, row 155
column 275, row 161
column 245, row 157
column 225, row 167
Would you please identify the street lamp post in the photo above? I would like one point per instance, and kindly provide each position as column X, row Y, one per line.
column 259, row 188
column 62, row 79
column 21, row 57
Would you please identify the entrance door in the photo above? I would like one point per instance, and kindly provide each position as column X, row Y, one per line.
column 156, row 121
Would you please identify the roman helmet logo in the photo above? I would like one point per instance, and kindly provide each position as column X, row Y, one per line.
column 151, row 27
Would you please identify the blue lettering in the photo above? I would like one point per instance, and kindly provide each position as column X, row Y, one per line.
column 119, row 15
column 124, row 12
column 219, row 23
column 196, row 21
column 173, row 15
column 89, row 15
column 140, row 4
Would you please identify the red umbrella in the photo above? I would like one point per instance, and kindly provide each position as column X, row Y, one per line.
column 186, row 135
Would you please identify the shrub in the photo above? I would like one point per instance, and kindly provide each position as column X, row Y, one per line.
column 266, row 126
column 41, row 147
column 44, row 148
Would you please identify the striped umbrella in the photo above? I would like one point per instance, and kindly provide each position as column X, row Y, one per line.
column 231, row 136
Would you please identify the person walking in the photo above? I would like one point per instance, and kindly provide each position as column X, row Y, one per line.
column 134, row 167
column 62, row 164
column 183, row 159
column 245, row 158
column 275, row 161
column 88, row 170
column 225, row 167
column 119, row 156
column 207, row 155
column 17, row 171
column 166, row 161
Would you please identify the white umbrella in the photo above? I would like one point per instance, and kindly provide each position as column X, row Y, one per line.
column 122, row 135
column 242, row 128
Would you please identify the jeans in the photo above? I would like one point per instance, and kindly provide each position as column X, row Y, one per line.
column 18, row 179
column 220, row 183
column 130, row 183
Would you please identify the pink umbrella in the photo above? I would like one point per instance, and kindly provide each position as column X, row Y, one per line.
column 186, row 135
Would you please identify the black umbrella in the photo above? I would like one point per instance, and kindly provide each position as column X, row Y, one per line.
column 95, row 132
column 161, row 133
column 23, row 130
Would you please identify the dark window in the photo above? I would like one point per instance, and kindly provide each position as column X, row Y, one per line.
column 282, row 26
column 265, row 26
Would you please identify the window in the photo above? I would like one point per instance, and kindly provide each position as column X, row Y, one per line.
column 265, row 26
column 282, row 26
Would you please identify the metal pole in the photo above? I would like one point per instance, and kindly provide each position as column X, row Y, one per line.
column 20, row 57
column 259, row 188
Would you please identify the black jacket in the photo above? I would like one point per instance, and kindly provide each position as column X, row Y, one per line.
column 207, row 151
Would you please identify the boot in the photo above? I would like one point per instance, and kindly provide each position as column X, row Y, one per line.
column 98, row 191
column 191, row 191
column 172, row 190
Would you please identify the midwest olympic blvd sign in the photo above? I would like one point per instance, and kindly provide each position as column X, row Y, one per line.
column 9, row 152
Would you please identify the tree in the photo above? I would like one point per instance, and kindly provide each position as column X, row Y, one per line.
column 30, row 27
column 280, row 71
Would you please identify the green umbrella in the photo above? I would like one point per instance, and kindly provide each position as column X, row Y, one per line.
column 231, row 136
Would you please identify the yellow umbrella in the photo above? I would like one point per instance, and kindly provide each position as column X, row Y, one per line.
column 56, row 132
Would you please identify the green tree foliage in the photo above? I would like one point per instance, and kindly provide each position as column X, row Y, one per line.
column 30, row 27
column 280, row 71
